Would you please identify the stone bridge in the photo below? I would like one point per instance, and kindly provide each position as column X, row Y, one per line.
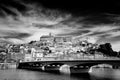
column 69, row 66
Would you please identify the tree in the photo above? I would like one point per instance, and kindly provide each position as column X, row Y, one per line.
column 2, row 57
column 106, row 49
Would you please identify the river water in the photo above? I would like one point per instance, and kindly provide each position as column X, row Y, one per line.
column 17, row 74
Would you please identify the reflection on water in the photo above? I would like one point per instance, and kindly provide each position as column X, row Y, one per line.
column 13, row 74
column 107, row 73
column 99, row 74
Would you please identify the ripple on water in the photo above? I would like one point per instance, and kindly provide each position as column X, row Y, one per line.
column 16, row 74
column 113, row 74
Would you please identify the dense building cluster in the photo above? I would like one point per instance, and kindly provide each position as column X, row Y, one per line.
column 51, row 47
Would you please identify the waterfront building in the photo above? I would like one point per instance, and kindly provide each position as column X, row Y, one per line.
column 53, row 49
column 15, row 48
column 2, row 49
column 28, row 55
column 37, row 53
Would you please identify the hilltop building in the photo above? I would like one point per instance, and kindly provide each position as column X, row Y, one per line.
column 47, row 40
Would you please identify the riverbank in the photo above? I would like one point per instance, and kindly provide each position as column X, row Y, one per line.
column 7, row 65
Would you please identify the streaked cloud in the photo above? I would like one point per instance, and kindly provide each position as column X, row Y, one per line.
column 36, row 21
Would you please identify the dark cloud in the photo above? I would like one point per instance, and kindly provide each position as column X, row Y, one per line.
column 77, row 33
column 98, row 19
column 104, row 35
column 12, row 3
column 42, row 25
column 16, row 35
column 96, row 33
column 105, row 38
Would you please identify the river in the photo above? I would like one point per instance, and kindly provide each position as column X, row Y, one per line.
column 17, row 74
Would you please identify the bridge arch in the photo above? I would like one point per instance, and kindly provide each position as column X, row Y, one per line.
column 88, row 67
column 65, row 69
column 51, row 66
column 100, row 66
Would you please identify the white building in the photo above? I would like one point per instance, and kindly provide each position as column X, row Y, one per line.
column 28, row 55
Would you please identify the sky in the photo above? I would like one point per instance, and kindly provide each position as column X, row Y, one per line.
column 22, row 21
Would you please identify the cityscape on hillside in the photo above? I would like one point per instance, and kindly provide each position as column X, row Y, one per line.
column 59, row 40
column 51, row 47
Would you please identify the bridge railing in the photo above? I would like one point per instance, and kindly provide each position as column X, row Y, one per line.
column 76, row 57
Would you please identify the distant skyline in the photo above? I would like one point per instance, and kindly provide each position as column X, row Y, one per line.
column 22, row 21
